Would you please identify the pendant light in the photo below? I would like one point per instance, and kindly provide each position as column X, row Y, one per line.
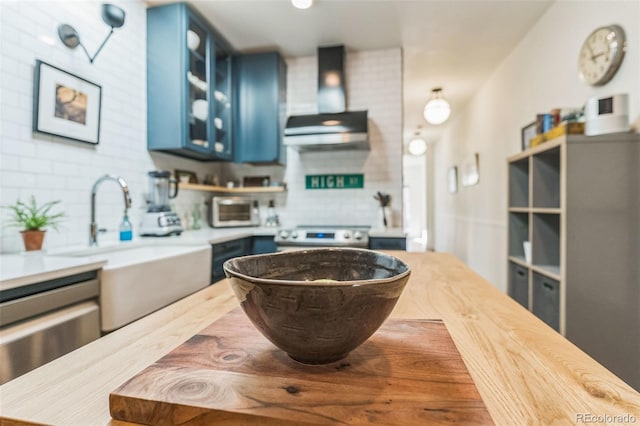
column 437, row 110
column 302, row 4
column 417, row 146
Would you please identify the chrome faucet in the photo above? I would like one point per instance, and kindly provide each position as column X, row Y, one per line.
column 93, row 236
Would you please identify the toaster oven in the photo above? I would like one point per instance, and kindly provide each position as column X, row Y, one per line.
column 233, row 211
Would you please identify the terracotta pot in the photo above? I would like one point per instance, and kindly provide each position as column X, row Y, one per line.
column 32, row 239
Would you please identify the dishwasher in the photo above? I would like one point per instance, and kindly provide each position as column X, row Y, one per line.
column 42, row 321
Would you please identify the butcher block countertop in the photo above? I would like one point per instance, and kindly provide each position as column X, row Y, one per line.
column 525, row 372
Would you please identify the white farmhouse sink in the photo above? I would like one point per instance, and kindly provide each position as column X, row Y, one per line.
column 139, row 279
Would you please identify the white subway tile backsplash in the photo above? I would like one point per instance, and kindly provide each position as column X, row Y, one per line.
column 373, row 83
column 17, row 179
column 53, row 167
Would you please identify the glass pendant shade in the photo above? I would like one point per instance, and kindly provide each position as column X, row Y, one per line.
column 437, row 110
column 417, row 146
column 302, row 4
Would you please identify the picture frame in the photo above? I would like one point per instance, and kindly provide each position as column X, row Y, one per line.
column 65, row 105
column 252, row 181
column 185, row 176
column 471, row 171
column 527, row 133
column 452, row 179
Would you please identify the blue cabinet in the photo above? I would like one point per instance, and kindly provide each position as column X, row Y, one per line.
column 222, row 252
column 386, row 243
column 189, row 108
column 264, row 244
column 260, row 91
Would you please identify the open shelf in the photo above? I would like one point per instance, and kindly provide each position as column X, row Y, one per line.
column 519, row 183
column 551, row 271
column 518, row 233
column 546, row 175
column 222, row 189
column 545, row 244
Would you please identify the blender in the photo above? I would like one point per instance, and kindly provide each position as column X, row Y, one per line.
column 159, row 220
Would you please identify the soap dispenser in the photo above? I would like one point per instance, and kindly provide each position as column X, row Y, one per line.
column 126, row 231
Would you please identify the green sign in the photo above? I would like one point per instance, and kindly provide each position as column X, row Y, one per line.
column 334, row 181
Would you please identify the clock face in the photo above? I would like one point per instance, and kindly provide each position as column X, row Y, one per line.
column 601, row 55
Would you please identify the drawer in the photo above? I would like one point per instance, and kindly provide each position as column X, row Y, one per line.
column 225, row 251
column 518, row 285
column 382, row 243
column 546, row 300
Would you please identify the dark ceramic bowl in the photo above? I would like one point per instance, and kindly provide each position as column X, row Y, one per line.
column 317, row 322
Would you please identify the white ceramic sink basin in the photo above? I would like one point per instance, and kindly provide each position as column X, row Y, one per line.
column 138, row 280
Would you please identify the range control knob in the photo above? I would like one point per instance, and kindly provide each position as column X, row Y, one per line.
column 294, row 234
column 358, row 235
column 346, row 235
column 284, row 234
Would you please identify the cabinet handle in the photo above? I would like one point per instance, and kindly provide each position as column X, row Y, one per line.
column 547, row 285
column 521, row 273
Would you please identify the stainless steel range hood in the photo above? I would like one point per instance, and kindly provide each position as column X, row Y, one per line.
column 333, row 127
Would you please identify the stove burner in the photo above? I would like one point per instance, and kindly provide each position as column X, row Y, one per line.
column 324, row 236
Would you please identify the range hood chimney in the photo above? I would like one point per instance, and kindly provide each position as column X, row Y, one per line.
column 333, row 127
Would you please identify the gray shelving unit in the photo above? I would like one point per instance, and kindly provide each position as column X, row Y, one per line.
column 576, row 199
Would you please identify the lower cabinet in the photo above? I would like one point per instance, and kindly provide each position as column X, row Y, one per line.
column 224, row 251
column 241, row 247
column 385, row 243
column 546, row 300
column 518, row 287
column 263, row 244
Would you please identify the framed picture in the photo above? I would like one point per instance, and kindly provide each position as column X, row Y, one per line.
column 471, row 171
column 453, row 180
column 256, row 181
column 65, row 105
column 185, row 176
column 528, row 132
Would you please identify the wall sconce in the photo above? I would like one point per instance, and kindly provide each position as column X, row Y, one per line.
column 437, row 110
column 111, row 15
column 417, row 145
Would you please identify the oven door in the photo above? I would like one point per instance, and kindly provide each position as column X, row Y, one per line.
column 233, row 211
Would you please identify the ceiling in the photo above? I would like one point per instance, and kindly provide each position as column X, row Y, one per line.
column 449, row 43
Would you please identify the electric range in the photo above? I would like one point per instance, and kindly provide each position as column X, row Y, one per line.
column 323, row 236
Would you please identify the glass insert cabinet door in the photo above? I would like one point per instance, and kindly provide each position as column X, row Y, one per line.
column 222, row 102
column 199, row 109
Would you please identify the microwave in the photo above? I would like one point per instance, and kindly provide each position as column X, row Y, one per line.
column 233, row 211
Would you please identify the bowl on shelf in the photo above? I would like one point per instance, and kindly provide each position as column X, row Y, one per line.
column 193, row 40
column 317, row 305
column 200, row 109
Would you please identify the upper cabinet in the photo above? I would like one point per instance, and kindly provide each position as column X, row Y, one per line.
column 189, row 99
column 260, row 108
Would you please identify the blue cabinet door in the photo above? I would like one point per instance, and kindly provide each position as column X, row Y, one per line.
column 260, row 108
column 183, row 85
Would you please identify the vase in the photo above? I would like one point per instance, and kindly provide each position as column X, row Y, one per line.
column 384, row 218
column 32, row 240
column 526, row 246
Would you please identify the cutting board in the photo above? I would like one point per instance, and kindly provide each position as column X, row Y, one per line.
column 408, row 372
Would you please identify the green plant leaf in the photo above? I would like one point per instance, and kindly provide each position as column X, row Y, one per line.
column 32, row 217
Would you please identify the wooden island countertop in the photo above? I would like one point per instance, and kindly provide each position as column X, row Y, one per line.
column 525, row 372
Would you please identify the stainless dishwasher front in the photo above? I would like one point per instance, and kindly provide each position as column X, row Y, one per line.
column 41, row 322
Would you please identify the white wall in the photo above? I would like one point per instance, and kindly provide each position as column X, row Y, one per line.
column 540, row 74
column 374, row 83
column 53, row 168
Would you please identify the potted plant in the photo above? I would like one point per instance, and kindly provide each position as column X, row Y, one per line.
column 33, row 219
